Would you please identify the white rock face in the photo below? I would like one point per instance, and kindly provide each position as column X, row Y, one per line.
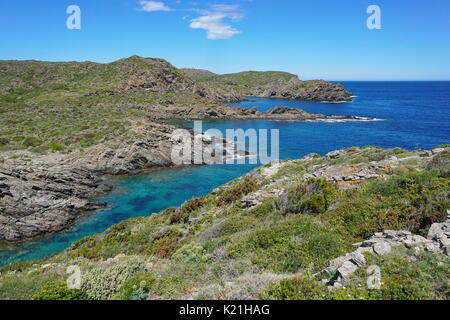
column 347, row 269
column 381, row 248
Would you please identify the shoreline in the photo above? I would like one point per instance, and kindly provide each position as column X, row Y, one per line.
column 48, row 192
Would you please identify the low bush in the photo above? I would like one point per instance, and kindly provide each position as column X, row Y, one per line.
column 136, row 288
column 312, row 196
column 192, row 253
column 288, row 246
column 164, row 247
column 59, row 291
column 298, row 288
column 102, row 283
column 192, row 205
column 248, row 185
column 32, row 142
column 3, row 141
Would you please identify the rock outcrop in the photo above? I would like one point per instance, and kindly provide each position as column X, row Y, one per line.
column 381, row 243
column 48, row 193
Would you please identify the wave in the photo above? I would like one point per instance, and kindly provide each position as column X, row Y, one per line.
column 360, row 119
column 336, row 102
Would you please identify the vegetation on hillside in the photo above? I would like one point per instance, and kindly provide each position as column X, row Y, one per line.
column 48, row 106
column 215, row 247
column 197, row 74
column 245, row 82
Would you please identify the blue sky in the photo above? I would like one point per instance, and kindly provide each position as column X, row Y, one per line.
column 325, row 39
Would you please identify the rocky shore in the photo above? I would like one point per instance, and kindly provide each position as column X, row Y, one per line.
column 239, row 113
column 46, row 194
column 298, row 90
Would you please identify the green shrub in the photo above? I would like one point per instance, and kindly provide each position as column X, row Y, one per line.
column 191, row 253
column 23, row 285
column 102, row 283
column 59, row 291
column 248, row 185
column 295, row 243
column 55, row 146
column 313, row 197
column 32, row 142
column 3, row 141
column 405, row 201
column 298, row 288
column 136, row 288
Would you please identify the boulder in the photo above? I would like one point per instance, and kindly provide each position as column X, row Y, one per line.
column 347, row 269
column 358, row 259
column 382, row 248
column 438, row 228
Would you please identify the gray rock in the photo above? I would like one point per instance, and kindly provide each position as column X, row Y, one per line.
column 415, row 240
column 444, row 240
column 347, row 269
column 380, row 234
column 335, row 154
column 337, row 285
column 432, row 247
column 358, row 259
column 364, row 249
column 338, row 262
column 382, row 248
column 437, row 228
column 438, row 150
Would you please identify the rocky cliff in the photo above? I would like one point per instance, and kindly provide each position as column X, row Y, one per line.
column 270, row 84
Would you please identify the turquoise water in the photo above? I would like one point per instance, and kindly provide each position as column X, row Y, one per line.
column 415, row 115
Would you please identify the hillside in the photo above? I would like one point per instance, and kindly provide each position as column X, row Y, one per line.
column 288, row 230
column 48, row 106
column 250, row 78
column 52, row 106
column 133, row 72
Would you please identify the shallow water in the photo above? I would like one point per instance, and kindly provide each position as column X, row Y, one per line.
column 415, row 115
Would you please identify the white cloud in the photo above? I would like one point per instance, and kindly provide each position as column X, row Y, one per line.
column 213, row 21
column 151, row 6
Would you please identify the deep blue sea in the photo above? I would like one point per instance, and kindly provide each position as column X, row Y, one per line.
column 415, row 115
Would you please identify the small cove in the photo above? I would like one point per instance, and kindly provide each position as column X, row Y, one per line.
column 416, row 115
